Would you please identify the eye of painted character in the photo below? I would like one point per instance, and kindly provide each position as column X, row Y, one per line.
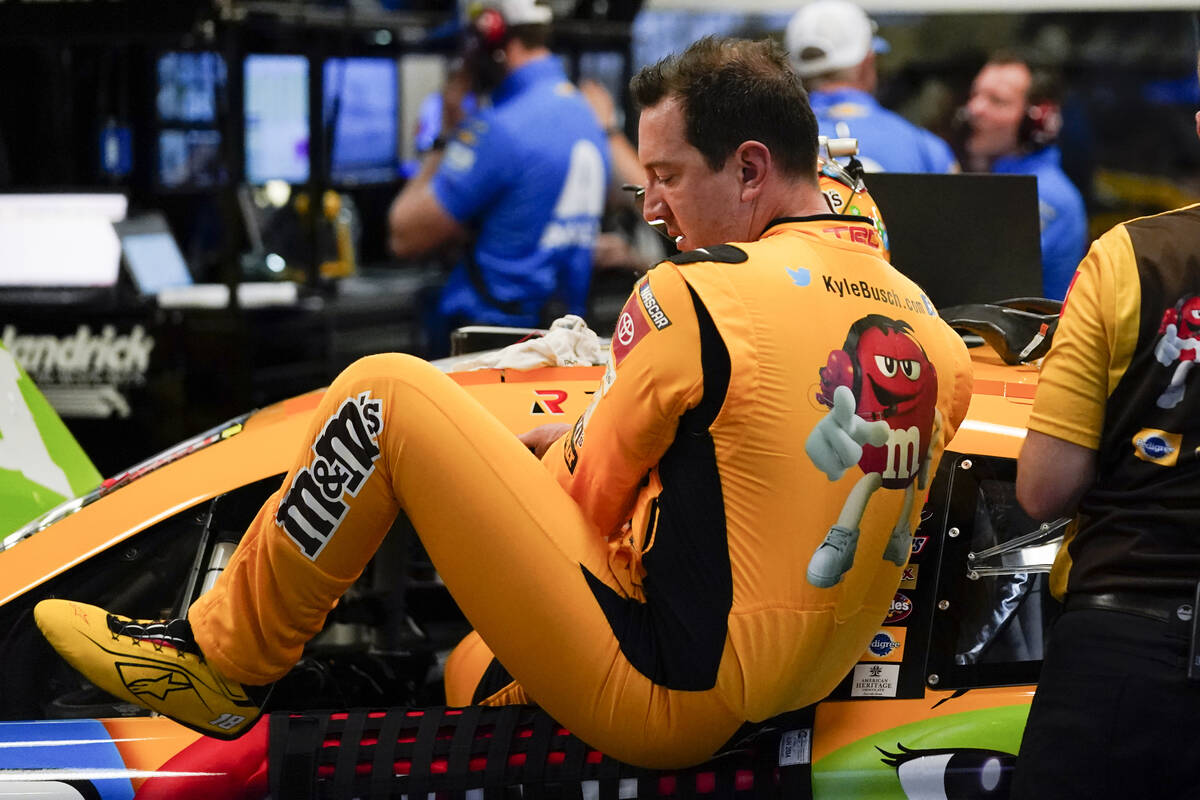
column 911, row 369
column 1196, row 313
column 887, row 365
column 950, row 774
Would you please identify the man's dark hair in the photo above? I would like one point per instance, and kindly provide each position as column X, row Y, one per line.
column 532, row 36
column 732, row 91
column 1045, row 85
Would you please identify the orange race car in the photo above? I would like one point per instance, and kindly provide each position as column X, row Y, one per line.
column 934, row 708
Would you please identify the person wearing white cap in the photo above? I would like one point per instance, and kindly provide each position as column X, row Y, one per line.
column 523, row 181
column 833, row 45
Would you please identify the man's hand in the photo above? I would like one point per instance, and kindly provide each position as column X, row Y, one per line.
column 836, row 443
column 540, row 438
column 1169, row 346
column 601, row 103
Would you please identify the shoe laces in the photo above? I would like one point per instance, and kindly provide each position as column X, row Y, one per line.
column 173, row 633
column 838, row 539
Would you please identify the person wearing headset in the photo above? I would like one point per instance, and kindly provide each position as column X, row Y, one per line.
column 833, row 45
column 1011, row 121
column 520, row 184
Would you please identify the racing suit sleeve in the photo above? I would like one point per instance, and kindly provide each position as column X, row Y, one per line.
column 653, row 377
column 1096, row 336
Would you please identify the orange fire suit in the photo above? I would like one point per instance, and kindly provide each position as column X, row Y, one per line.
column 646, row 583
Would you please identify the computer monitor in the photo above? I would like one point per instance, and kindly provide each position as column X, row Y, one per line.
column 188, row 83
column 967, row 238
column 59, row 240
column 151, row 254
column 189, row 159
column 276, row 116
column 361, row 111
column 189, row 87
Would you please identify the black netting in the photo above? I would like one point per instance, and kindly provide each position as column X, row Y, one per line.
column 507, row 752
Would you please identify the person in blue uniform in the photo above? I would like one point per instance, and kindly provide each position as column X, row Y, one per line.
column 520, row 185
column 833, row 45
column 1012, row 120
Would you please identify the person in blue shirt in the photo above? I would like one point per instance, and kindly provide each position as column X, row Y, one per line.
column 1012, row 119
column 520, row 184
column 833, row 45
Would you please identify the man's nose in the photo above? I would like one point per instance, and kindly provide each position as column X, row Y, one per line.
column 652, row 205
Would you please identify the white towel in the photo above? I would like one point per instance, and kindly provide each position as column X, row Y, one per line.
column 568, row 343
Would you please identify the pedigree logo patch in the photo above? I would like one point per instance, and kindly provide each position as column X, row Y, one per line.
column 886, row 645
column 1157, row 447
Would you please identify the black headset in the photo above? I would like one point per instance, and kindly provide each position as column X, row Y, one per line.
column 490, row 28
column 1042, row 121
column 486, row 36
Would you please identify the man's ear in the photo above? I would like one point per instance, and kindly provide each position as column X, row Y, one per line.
column 754, row 165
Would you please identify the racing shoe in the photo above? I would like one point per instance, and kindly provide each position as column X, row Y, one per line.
column 155, row 664
column 899, row 546
column 833, row 558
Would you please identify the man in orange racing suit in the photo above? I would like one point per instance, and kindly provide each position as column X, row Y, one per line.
column 645, row 583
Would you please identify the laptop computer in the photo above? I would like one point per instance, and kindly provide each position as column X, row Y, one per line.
column 58, row 248
column 967, row 238
column 157, row 269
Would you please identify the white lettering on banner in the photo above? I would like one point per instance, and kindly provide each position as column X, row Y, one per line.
column 903, row 453
column 21, row 445
column 84, row 357
column 580, row 203
column 346, row 451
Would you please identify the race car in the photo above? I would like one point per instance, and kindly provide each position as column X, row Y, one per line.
column 934, row 708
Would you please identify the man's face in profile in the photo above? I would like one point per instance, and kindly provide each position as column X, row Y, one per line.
column 701, row 207
column 996, row 108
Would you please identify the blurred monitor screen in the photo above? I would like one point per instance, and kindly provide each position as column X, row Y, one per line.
column 59, row 240
column 189, row 158
column 363, row 93
column 152, row 255
column 188, row 143
column 276, row 109
column 187, row 87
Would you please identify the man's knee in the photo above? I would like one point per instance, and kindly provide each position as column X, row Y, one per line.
column 383, row 365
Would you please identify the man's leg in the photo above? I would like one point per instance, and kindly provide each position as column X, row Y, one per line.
column 509, row 543
column 1114, row 714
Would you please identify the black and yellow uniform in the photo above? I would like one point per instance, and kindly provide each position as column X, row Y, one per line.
column 646, row 584
column 1101, row 386
column 1113, row 690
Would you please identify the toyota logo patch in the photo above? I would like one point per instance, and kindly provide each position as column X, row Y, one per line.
column 625, row 329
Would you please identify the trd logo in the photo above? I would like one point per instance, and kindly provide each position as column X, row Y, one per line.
column 856, row 234
column 549, row 401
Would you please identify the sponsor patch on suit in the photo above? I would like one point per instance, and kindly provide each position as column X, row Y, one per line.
column 1157, row 447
